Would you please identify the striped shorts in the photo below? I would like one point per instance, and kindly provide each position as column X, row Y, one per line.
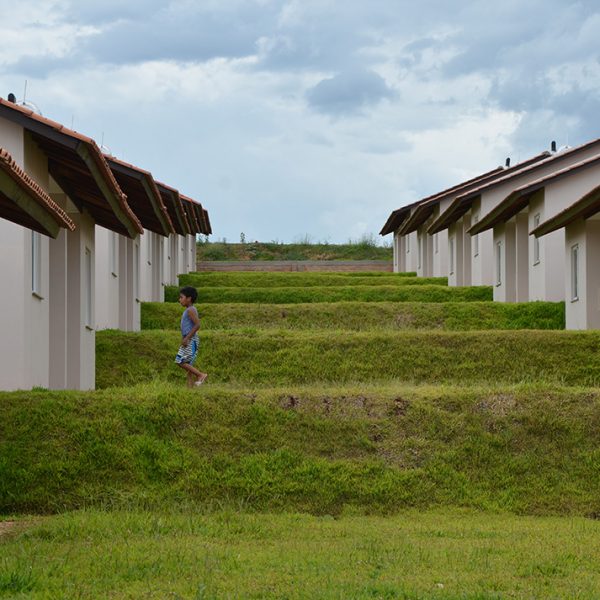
column 187, row 354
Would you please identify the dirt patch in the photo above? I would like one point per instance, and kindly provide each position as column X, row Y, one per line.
column 8, row 528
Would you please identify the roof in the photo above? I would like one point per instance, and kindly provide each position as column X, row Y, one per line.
column 396, row 219
column 200, row 214
column 192, row 216
column 587, row 206
column 463, row 203
column 518, row 199
column 142, row 195
column 78, row 166
column 172, row 202
column 25, row 203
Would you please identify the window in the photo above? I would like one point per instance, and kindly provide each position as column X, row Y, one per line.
column 114, row 253
column 575, row 273
column 88, row 287
column 475, row 237
column 36, row 263
column 451, row 248
column 436, row 243
column 407, row 238
column 499, row 263
column 419, row 250
column 136, row 271
column 149, row 247
column 536, row 241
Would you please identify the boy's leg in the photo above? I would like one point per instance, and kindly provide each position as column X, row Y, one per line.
column 195, row 374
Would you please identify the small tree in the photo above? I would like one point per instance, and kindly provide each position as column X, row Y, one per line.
column 242, row 238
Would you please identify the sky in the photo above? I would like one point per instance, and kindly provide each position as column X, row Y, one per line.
column 291, row 119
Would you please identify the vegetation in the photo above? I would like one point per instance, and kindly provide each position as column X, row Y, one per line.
column 322, row 450
column 372, row 293
column 296, row 357
column 362, row 316
column 442, row 555
column 363, row 249
column 303, row 279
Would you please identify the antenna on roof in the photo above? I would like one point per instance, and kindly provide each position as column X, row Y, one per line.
column 553, row 147
column 72, row 120
column 507, row 162
column 103, row 148
column 30, row 105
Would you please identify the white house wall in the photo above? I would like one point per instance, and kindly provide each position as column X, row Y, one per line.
column 107, row 279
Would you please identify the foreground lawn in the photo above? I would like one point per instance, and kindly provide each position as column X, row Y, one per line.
column 442, row 555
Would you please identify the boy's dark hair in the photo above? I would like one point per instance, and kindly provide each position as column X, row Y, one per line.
column 189, row 292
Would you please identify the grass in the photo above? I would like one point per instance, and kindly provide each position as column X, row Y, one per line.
column 265, row 280
column 347, row 293
column 297, row 357
column 442, row 555
column 322, row 450
column 363, row 316
column 362, row 250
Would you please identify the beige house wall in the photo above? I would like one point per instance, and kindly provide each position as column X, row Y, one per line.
column 583, row 312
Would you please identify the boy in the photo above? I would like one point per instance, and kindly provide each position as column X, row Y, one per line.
column 190, row 323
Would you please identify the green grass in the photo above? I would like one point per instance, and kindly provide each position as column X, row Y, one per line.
column 322, row 450
column 298, row 357
column 348, row 293
column 365, row 250
column 442, row 555
column 265, row 280
column 363, row 316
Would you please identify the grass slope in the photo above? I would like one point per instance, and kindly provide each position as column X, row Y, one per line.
column 325, row 451
column 367, row 250
column 374, row 293
column 437, row 555
column 264, row 280
column 297, row 357
column 362, row 316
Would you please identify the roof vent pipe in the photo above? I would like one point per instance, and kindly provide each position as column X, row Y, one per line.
column 507, row 162
column 12, row 98
column 553, row 146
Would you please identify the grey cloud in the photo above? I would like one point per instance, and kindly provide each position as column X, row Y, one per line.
column 348, row 92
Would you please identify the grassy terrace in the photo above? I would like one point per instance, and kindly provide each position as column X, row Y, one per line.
column 363, row 316
column 355, row 440
column 342, row 293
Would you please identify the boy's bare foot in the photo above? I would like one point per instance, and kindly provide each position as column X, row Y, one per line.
column 201, row 379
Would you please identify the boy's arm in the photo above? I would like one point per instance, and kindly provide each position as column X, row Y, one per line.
column 193, row 315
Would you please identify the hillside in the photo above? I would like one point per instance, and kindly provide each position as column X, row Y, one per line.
column 366, row 249
column 360, row 436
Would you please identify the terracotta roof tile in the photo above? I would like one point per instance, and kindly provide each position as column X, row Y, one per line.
column 33, row 190
column 94, row 152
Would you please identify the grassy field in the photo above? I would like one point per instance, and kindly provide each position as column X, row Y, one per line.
column 306, row 357
column 442, row 555
column 366, row 249
column 316, row 449
column 343, row 293
column 363, row 316
column 354, row 440
column 264, row 280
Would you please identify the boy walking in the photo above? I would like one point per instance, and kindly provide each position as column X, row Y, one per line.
column 190, row 324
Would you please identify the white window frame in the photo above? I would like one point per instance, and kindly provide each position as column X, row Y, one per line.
column 149, row 247
column 136, row 271
column 475, row 237
column 451, row 249
column 436, row 242
column 419, row 251
column 87, row 281
column 36, row 264
column 498, row 263
column 114, row 254
column 536, row 241
column 407, row 244
column 575, row 273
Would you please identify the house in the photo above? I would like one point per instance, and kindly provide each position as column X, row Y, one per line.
column 52, row 340
column 580, row 223
column 527, row 268
column 471, row 248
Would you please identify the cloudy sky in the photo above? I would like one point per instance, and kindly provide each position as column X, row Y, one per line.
column 319, row 117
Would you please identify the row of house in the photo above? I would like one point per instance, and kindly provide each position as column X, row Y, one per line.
column 530, row 230
column 84, row 239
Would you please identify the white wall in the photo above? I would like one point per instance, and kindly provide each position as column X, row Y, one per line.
column 108, row 278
